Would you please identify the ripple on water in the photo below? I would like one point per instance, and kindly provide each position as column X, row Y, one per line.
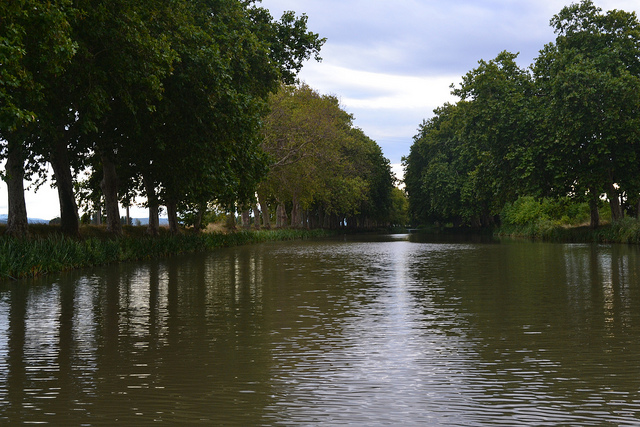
column 388, row 332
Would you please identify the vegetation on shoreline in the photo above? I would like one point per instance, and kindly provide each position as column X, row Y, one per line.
column 50, row 251
column 623, row 231
column 193, row 106
column 564, row 220
column 561, row 134
column 158, row 100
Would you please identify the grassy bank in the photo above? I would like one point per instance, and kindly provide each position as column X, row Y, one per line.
column 48, row 251
column 625, row 231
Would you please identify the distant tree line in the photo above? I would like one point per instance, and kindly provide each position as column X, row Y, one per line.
column 566, row 127
column 324, row 171
column 127, row 98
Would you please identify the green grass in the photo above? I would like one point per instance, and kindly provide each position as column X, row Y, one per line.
column 47, row 251
column 624, row 231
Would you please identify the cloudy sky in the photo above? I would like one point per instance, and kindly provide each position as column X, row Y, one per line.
column 391, row 62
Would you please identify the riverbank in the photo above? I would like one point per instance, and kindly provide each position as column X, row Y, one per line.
column 47, row 251
column 624, row 231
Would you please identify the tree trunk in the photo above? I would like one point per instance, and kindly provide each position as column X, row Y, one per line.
column 98, row 212
column 127, row 216
column 17, row 222
column 295, row 214
column 281, row 216
column 197, row 221
column 172, row 213
column 593, row 208
column 246, row 219
column 312, row 218
column 266, row 221
column 256, row 216
column 109, row 185
column 321, row 217
column 154, row 207
column 230, row 222
column 69, row 220
column 614, row 202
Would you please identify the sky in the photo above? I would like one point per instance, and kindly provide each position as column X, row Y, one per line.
column 391, row 62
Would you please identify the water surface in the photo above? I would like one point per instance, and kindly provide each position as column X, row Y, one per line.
column 364, row 331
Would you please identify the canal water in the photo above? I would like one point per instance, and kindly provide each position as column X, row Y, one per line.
column 384, row 330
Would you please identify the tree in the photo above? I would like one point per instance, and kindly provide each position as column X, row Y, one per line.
column 366, row 161
column 35, row 47
column 300, row 136
column 323, row 168
column 590, row 79
column 467, row 161
column 399, row 215
column 203, row 143
column 123, row 61
column 498, row 127
column 437, row 168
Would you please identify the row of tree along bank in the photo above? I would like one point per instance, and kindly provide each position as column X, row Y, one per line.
column 565, row 132
column 159, row 99
column 324, row 172
column 190, row 105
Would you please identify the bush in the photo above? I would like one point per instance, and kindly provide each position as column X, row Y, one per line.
column 544, row 213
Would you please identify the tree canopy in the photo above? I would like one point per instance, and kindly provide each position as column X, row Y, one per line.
column 325, row 170
column 143, row 97
column 566, row 127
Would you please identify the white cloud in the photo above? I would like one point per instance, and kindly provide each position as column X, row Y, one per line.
column 391, row 63
column 369, row 90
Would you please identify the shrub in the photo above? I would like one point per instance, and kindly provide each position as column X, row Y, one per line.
column 532, row 212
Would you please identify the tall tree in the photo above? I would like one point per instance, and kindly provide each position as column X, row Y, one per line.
column 590, row 79
column 123, row 60
column 497, row 127
column 203, row 144
column 35, row 47
column 301, row 136
column 466, row 162
column 437, row 168
column 321, row 166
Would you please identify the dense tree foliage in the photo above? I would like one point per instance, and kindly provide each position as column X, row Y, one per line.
column 35, row 48
column 567, row 127
column 591, row 80
column 323, row 170
column 162, row 99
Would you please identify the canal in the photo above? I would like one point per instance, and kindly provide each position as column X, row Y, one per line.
column 378, row 330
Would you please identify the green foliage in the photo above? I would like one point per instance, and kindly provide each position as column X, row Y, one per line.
column 527, row 211
column 623, row 231
column 590, row 79
column 35, row 45
column 190, row 214
column 172, row 92
column 399, row 215
column 568, row 128
column 465, row 161
column 321, row 164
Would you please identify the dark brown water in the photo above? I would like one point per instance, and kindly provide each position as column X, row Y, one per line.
column 387, row 331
